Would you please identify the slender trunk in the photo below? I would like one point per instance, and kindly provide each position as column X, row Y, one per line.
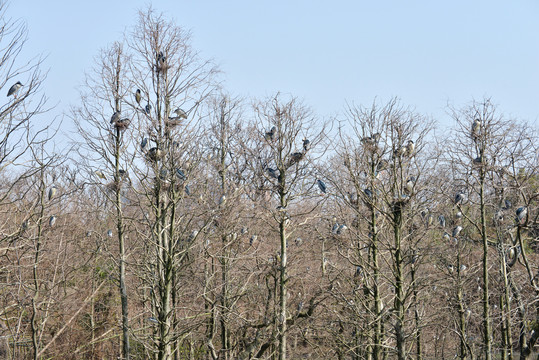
column 486, row 312
column 399, row 290
column 416, row 316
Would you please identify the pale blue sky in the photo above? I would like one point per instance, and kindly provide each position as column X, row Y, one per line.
column 427, row 53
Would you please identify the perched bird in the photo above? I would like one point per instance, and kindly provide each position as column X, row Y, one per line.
column 298, row 241
column 272, row 173
column 476, row 126
column 508, row 204
column 109, row 233
column 122, row 124
column 341, row 229
column 115, row 117
column 295, row 158
column 222, row 199
column 430, row 220
column 446, row 237
column 52, row 192
column 52, row 220
column 306, row 145
column 457, row 230
column 321, row 186
column 155, row 154
column 458, row 215
column 153, row 320
column 138, row 96
column 521, row 214
column 410, row 147
column 359, row 271
column 193, row 235
column 14, row 89
column 180, row 174
column 253, row 239
column 270, row 135
column 460, row 198
column 180, row 113
column 143, row 143
column 335, row 228
column 369, row 193
column 148, row 108
column 478, row 160
column 463, row 268
column 100, row 174
column 410, row 182
column 187, row 190
column 441, row 220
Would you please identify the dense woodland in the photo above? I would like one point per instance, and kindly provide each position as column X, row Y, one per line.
column 186, row 223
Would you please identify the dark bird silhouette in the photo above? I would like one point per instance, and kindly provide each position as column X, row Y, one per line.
column 306, row 145
column 14, row 89
column 321, row 186
column 180, row 113
column 115, row 117
column 270, row 135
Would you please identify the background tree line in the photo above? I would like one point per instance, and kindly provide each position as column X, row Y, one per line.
column 186, row 223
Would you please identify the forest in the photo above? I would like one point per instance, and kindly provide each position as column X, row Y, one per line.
column 185, row 222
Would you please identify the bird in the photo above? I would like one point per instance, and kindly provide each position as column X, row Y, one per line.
column 521, row 214
column 100, row 174
column 321, row 185
column 252, row 239
column 109, row 233
column 457, row 230
column 441, row 220
column 272, row 173
column 52, row 220
column 478, row 160
column 138, row 96
column 143, row 143
column 410, row 182
column 458, row 215
column 193, row 235
column 222, row 199
column 115, row 117
column 507, row 204
column 270, row 135
column 430, row 220
column 306, row 145
column 14, row 89
column 295, row 158
column 463, row 268
column 335, row 228
column 446, row 237
column 122, row 124
column 341, row 229
column 148, row 108
column 476, row 126
column 298, row 241
column 359, row 270
column 153, row 320
column 410, row 147
column 180, row 113
column 369, row 193
column 155, row 154
column 187, row 190
column 460, row 198
column 52, row 192
column 180, row 174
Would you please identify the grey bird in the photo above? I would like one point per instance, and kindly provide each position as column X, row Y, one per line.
column 109, row 233
column 14, row 89
column 270, row 135
column 441, row 220
column 115, row 117
column 321, row 186
column 460, row 198
column 306, row 145
column 180, row 113
column 52, row 220
column 521, row 213
column 143, row 143
column 52, row 192
column 457, row 230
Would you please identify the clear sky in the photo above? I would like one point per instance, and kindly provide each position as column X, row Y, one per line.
column 427, row 53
